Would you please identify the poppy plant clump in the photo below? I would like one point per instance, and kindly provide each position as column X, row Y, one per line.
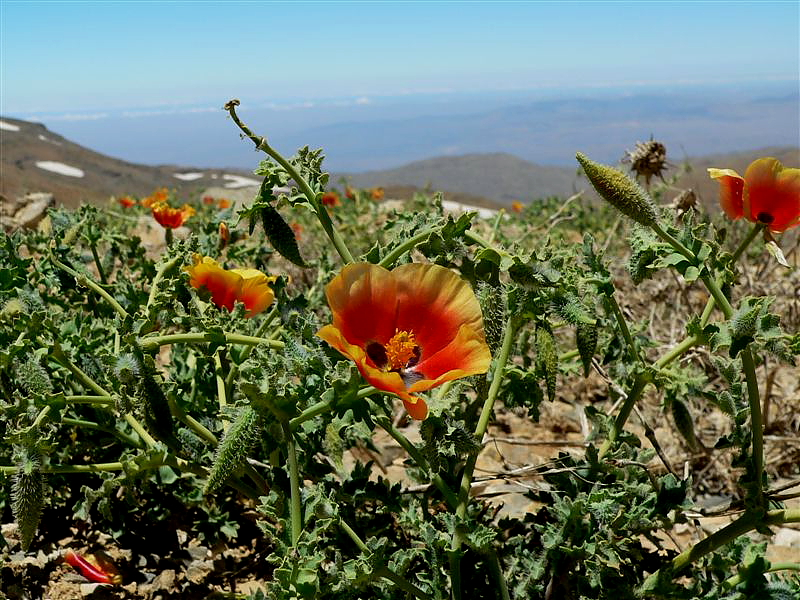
column 769, row 193
column 251, row 287
column 408, row 330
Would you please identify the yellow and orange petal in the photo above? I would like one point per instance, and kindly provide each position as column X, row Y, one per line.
column 408, row 330
column 161, row 195
column 248, row 286
column 769, row 193
column 170, row 217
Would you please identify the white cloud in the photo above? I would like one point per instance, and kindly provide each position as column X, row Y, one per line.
column 60, row 168
column 363, row 100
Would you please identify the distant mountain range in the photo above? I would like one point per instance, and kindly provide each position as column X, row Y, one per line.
column 34, row 159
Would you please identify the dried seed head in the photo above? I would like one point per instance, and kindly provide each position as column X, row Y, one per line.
column 619, row 190
column 647, row 159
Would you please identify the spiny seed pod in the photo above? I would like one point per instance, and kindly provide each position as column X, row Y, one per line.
column 647, row 159
column 684, row 423
column 493, row 305
column 33, row 378
column 586, row 340
column 232, row 451
column 27, row 498
column 620, row 191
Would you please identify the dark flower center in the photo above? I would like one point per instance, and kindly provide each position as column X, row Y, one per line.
column 764, row 217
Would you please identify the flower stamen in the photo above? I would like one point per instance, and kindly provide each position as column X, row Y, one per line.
column 401, row 350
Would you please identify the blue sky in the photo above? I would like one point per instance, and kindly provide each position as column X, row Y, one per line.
column 75, row 56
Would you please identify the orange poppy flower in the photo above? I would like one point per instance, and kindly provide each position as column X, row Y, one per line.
column 126, row 201
column 330, row 199
column 408, row 330
column 170, row 217
column 208, row 199
column 223, row 203
column 517, row 207
column 768, row 193
column 376, row 193
column 228, row 286
column 350, row 193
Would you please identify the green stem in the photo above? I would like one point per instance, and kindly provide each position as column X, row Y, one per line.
column 774, row 567
column 131, row 441
column 245, row 354
column 677, row 351
column 639, row 384
column 149, row 343
column 716, row 293
column 469, row 467
column 97, row 263
column 754, row 231
column 623, row 327
column 386, row 423
column 756, row 421
column 162, row 272
column 673, row 242
column 747, row 522
column 322, row 213
column 105, row 400
column 85, row 281
column 400, row 582
column 384, row 572
column 496, row 225
column 497, row 573
column 474, row 237
column 294, row 483
column 406, row 246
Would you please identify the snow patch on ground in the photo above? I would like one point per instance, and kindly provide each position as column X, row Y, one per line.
column 484, row 213
column 46, row 139
column 237, row 181
column 187, row 176
column 8, row 126
column 60, row 168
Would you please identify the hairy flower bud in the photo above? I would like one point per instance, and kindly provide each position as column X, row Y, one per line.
column 620, row 190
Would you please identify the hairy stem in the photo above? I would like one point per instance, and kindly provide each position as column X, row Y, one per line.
column 296, row 509
column 407, row 246
column 322, row 213
column 149, row 343
column 85, row 281
column 469, row 467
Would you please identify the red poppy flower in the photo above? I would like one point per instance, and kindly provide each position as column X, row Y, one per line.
column 248, row 286
column 208, row 199
column 170, row 217
column 126, row 201
column 408, row 330
column 350, row 193
column 330, row 199
column 768, row 193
